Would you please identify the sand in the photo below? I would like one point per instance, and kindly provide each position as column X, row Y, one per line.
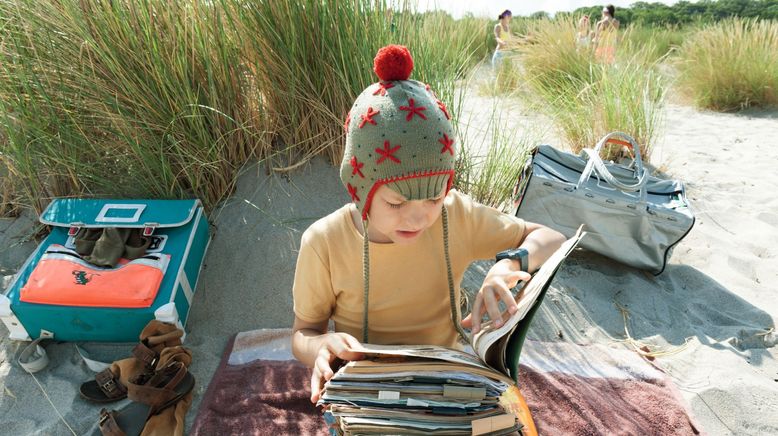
column 713, row 309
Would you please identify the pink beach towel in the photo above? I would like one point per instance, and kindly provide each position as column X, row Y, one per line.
column 573, row 389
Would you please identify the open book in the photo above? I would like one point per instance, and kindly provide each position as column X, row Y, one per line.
column 426, row 389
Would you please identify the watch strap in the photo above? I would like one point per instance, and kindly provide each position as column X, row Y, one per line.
column 520, row 254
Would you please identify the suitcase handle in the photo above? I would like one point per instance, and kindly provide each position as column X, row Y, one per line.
column 595, row 164
column 103, row 217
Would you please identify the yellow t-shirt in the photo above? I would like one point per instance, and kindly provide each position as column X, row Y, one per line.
column 409, row 297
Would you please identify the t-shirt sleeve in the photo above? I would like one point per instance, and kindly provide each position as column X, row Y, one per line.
column 314, row 298
column 489, row 231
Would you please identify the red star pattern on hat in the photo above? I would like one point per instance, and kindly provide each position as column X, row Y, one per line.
column 447, row 144
column 413, row 110
column 443, row 108
column 382, row 87
column 352, row 191
column 367, row 117
column 356, row 167
column 387, row 153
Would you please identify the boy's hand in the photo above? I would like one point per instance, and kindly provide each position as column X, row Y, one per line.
column 497, row 286
column 334, row 346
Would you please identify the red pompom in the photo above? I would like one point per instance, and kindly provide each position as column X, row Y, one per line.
column 393, row 62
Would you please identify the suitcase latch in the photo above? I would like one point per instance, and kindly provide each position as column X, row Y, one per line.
column 74, row 228
column 148, row 228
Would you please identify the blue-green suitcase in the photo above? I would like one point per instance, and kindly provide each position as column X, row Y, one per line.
column 177, row 228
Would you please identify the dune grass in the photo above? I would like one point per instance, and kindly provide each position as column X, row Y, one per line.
column 311, row 68
column 731, row 65
column 491, row 157
column 123, row 98
column 505, row 80
column 658, row 42
column 587, row 98
column 170, row 98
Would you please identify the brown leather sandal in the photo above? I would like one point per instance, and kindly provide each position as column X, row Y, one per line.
column 106, row 387
column 151, row 394
column 109, row 384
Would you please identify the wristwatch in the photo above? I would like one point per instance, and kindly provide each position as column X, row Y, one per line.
column 520, row 254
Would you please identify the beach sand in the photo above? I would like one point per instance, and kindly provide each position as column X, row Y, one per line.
column 713, row 310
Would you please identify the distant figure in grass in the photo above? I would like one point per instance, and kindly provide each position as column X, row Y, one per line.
column 386, row 268
column 502, row 34
column 583, row 36
column 605, row 36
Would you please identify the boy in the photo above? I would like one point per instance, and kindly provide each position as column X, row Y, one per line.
column 412, row 235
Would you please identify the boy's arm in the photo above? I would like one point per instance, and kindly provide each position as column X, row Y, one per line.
column 307, row 339
column 541, row 242
column 318, row 349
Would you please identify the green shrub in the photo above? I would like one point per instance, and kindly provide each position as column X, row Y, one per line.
column 731, row 65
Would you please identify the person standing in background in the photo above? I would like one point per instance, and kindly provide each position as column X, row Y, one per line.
column 605, row 36
column 583, row 36
column 503, row 37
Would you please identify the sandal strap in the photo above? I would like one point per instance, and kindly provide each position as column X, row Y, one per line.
column 165, row 337
column 150, row 392
column 171, row 374
column 108, row 425
column 109, row 384
column 146, row 355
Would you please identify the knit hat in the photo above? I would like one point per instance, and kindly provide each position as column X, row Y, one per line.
column 398, row 134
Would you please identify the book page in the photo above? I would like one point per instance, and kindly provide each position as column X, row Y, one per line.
column 421, row 351
column 489, row 335
column 397, row 366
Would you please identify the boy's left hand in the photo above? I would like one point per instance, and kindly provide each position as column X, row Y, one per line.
column 497, row 286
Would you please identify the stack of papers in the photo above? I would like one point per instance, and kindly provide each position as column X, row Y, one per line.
column 417, row 390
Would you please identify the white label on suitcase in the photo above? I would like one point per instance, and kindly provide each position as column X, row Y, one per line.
column 103, row 217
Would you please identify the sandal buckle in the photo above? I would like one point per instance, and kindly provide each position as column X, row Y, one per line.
column 104, row 416
column 109, row 385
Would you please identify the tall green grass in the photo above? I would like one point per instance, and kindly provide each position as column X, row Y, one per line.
column 491, row 157
column 312, row 58
column 124, row 98
column 657, row 42
column 506, row 80
column 169, row 98
column 731, row 65
column 588, row 99
column 483, row 29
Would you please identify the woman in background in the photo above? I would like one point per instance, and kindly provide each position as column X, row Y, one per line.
column 605, row 36
column 583, row 37
column 503, row 37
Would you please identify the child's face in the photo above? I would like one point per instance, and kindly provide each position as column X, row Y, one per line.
column 395, row 219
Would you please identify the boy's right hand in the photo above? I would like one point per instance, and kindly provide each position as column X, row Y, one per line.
column 334, row 346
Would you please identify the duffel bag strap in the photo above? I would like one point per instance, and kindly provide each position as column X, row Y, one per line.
column 595, row 164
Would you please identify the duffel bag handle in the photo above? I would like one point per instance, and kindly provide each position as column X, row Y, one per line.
column 596, row 164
